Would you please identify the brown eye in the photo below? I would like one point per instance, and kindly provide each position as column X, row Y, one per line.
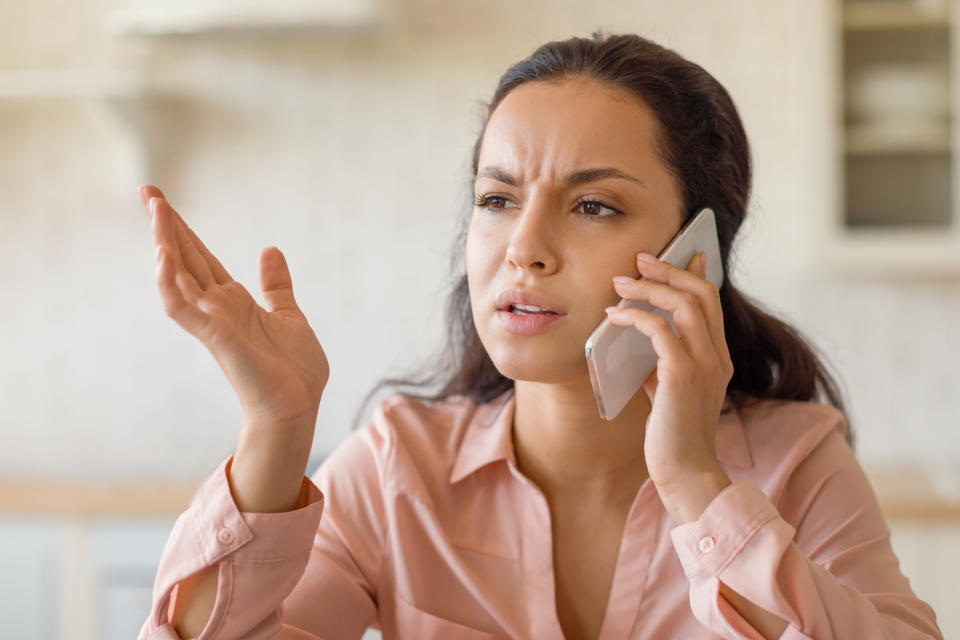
column 491, row 202
column 593, row 209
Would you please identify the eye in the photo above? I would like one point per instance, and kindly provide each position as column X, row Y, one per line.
column 490, row 201
column 591, row 209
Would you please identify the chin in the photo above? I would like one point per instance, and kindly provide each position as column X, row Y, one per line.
column 538, row 362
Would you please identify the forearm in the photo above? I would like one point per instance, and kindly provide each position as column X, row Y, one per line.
column 265, row 476
column 769, row 625
column 194, row 602
column 267, row 472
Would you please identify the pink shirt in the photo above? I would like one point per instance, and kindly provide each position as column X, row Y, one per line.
column 429, row 530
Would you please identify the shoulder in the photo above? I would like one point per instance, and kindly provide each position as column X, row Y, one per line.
column 776, row 424
column 784, row 435
column 418, row 425
column 411, row 442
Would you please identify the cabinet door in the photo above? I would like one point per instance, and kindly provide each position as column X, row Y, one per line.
column 928, row 557
column 30, row 583
column 124, row 556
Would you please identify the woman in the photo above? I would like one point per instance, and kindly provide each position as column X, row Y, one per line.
column 723, row 501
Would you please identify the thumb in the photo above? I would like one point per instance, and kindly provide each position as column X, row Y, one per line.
column 275, row 281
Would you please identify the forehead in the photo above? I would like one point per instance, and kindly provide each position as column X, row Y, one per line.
column 547, row 129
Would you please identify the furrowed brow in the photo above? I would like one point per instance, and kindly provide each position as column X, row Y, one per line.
column 577, row 177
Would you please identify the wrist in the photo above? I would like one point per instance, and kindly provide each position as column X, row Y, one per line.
column 292, row 421
column 686, row 498
column 268, row 468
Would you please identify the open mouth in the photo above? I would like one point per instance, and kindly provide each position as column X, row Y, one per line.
column 521, row 310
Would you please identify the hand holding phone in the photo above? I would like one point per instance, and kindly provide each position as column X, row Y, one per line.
column 619, row 358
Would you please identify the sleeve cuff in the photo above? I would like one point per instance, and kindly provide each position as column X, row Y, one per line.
column 708, row 544
column 222, row 529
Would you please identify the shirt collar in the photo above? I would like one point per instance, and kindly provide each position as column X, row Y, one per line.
column 488, row 437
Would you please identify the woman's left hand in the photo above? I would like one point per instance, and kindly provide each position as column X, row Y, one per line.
column 687, row 388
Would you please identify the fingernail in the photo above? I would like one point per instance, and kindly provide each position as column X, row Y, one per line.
column 703, row 260
column 646, row 257
column 623, row 279
column 152, row 204
column 613, row 309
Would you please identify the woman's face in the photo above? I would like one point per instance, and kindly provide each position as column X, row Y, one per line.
column 538, row 232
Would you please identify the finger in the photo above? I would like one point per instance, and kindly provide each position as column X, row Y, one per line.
column 687, row 314
column 696, row 264
column 707, row 294
column 665, row 341
column 148, row 191
column 195, row 263
column 165, row 237
column 220, row 274
column 275, row 281
column 185, row 313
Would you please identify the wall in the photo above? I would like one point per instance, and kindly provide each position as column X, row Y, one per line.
column 349, row 150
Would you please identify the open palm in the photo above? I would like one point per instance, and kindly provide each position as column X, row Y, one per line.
column 270, row 356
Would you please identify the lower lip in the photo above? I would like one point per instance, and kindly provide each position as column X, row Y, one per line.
column 526, row 325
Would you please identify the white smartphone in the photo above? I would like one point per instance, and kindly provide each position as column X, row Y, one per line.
column 619, row 358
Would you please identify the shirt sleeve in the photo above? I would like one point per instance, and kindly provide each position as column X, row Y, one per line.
column 260, row 557
column 289, row 575
column 831, row 575
column 337, row 597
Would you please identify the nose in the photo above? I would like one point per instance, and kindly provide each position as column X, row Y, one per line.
column 532, row 239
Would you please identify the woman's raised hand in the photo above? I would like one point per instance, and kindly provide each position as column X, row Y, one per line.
column 270, row 356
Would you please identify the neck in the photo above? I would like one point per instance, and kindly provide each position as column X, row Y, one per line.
column 570, row 452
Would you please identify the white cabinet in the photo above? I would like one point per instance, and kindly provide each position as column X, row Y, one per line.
column 123, row 556
column 30, row 553
column 75, row 578
column 927, row 551
column 896, row 212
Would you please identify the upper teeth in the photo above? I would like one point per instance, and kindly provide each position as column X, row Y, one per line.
column 527, row 307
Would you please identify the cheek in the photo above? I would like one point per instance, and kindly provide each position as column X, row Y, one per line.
column 476, row 259
column 481, row 253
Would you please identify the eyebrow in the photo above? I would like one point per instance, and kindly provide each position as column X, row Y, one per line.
column 577, row 177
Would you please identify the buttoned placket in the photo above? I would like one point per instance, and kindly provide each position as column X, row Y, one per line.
column 536, row 557
column 630, row 575
column 633, row 563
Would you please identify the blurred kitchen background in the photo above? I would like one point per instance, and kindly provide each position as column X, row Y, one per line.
column 340, row 131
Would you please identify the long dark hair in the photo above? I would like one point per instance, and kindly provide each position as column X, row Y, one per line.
column 703, row 143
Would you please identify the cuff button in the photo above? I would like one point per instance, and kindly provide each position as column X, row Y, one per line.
column 225, row 536
column 706, row 544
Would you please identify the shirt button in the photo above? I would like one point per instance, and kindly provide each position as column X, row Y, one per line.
column 225, row 536
column 706, row 544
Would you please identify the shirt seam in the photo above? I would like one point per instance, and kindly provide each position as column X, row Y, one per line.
column 742, row 541
column 268, row 559
column 385, row 493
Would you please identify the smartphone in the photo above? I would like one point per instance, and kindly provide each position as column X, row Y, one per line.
column 619, row 358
